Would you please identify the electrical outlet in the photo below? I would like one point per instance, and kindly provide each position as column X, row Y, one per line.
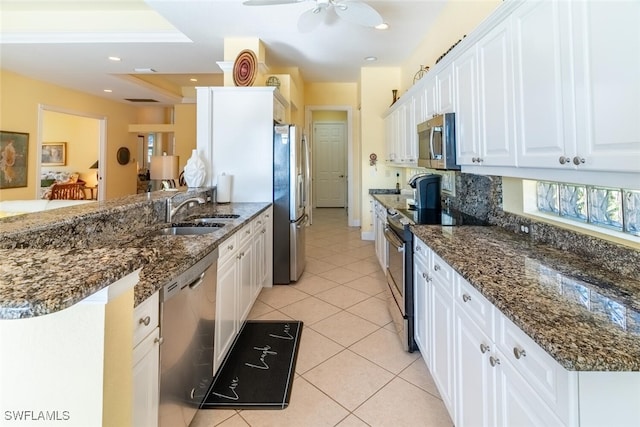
column 524, row 229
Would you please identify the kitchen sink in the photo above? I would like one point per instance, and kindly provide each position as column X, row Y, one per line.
column 188, row 228
column 213, row 218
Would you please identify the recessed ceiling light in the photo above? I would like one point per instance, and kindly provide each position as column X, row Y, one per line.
column 115, row 59
column 144, row 70
column 383, row 26
column 371, row 58
column 108, row 90
column 193, row 79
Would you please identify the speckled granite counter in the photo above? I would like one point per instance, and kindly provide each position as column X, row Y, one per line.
column 50, row 260
column 586, row 317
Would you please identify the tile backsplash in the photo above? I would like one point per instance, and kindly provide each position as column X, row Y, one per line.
column 481, row 196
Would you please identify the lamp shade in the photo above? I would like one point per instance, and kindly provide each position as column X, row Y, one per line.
column 164, row 167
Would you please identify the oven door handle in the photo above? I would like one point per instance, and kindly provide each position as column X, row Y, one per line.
column 391, row 237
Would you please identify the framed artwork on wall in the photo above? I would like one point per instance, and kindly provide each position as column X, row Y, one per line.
column 54, row 154
column 14, row 159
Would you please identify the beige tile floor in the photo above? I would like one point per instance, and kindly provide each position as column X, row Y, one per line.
column 351, row 369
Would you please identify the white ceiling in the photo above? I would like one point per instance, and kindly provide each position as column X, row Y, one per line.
column 68, row 42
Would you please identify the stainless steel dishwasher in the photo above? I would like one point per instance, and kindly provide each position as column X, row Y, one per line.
column 187, row 315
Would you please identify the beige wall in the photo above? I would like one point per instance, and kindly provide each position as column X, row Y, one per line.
column 376, row 97
column 185, row 132
column 329, row 116
column 19, row 103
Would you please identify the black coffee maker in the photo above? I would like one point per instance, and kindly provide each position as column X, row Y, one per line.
column 427, row 191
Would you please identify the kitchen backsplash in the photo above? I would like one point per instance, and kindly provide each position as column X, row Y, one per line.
column 481, row 196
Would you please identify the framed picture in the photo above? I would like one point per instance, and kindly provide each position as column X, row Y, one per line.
column 14, row 159
column 54, row 154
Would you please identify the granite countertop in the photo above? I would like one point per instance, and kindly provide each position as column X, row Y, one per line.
column 587, row 318
column 35, row 281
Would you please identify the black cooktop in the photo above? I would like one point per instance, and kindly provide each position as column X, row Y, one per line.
column 452, row 217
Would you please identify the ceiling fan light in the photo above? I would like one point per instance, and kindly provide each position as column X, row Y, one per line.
column 382, row 27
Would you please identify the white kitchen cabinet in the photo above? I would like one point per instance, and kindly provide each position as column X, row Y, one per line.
column 227, row 325
column 379, row 221
column 263, row 251
column 434, row 318
column 606, row 81
column 445, row 97
column 146, row 380
column 491, row 140
column 146, row 362
column 579, row 110
column 246, row 276
column 475, row 380
column 409, row 156
column 422, row 297
column 442, row 337
column 243, row 259
column 466, row 108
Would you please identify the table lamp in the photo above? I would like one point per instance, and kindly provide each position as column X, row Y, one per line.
column 165, row 168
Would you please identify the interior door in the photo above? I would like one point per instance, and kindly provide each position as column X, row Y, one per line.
column 329, row 156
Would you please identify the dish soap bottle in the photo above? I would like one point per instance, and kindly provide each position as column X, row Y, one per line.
column 397, row 182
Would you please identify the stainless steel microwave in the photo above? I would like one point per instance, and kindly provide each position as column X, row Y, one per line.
column 437, row 143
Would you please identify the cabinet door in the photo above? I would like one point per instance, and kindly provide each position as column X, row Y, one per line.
column 421, row 292
column 519, row 404
column 432, row 104
column 475, row 394
column 246, row 280
column 607, row 69
column 441, row 330
column 260, row 257
column 445, row 97
column 466, row 108
column 411, row 133
column 496, row 97
column 540, row 49
column 226, row 325
column 390, row 137
column 146, row 380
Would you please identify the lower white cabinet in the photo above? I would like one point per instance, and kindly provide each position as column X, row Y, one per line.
column 379, row 221
column 146, row 363
column 244, row 267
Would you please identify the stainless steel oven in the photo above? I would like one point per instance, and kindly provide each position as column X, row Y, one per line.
column 399, row 247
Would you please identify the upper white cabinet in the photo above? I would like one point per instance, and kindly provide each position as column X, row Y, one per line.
column 466, row 108
column 401, row 134
column 607, row 84
column 444, row 97
column 577, row 86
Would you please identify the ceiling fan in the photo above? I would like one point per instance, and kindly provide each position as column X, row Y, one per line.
column 354, row 11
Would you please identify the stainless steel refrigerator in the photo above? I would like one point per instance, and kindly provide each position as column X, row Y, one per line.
column 290, row 203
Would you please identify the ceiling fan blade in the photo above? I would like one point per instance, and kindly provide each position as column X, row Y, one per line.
column 311, row 19
column 269, row 2
column 358, row 13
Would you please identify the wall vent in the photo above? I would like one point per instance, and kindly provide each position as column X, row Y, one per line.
column 140, row 100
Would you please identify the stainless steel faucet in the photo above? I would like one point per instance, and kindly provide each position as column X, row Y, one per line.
column 171, row 211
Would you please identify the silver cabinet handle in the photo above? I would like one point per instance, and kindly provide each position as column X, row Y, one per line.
column 230, row 247
column 564, row 160
column 484, row 348
column 518, row 353
column 466, row 298
column 263, row 231
column 238, row 256
column 436, row 267
column 494, row 361
column 418, row 249
column 144, row 321
column 159, row 340
column 247, row 232
column 578, row 160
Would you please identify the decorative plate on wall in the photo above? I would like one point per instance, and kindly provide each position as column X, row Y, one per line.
column 245, row 68
column 123, row 155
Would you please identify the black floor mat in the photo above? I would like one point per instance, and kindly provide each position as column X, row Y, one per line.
column 258, row 371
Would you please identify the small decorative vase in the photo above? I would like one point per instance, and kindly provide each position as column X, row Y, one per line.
column 395, row 96
column 195, row 171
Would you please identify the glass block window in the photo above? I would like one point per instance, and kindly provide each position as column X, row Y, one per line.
column 613, row 208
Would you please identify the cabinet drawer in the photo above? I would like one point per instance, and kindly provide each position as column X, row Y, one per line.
column 146, row 318
column 442, row 272
column 245, row 234
column 227, row 248
column 539, row 369
column 259, row 223
column 475, row 306
column 421, row 251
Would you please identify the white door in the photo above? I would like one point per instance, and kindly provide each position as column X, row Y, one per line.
column 330, row 178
